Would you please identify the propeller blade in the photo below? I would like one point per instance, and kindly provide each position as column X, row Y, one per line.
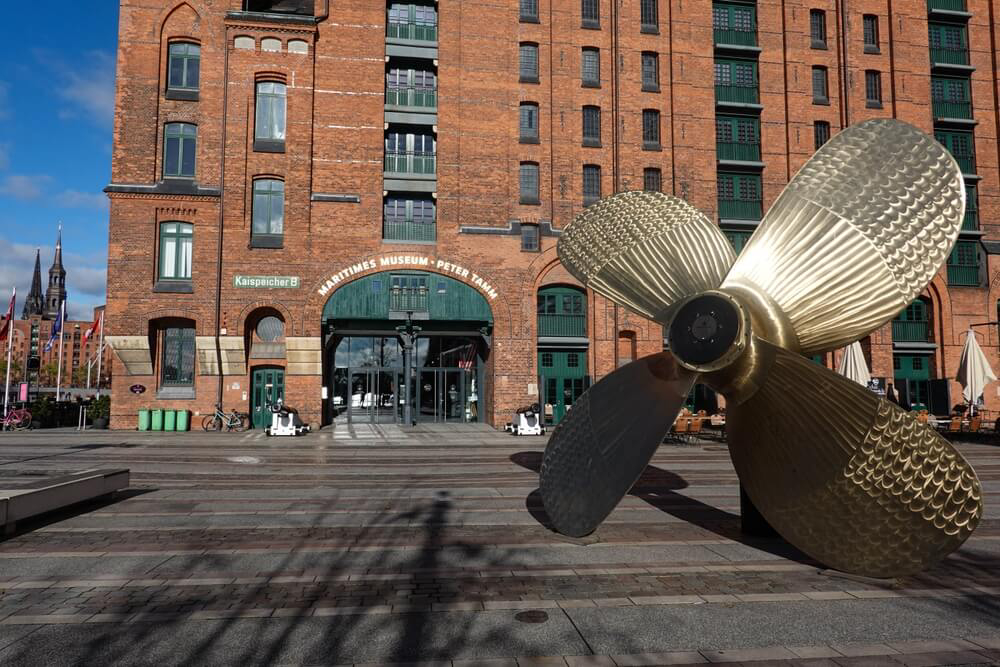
column 845, row 476
column 857, row 234
column 645, row 251
column 607, row 438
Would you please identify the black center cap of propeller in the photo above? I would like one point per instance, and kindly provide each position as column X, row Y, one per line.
column 704, row 329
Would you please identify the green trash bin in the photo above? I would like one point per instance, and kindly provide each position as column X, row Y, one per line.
column 143, row 420
column 183, row 420
column 157, row 420
column 169, row 420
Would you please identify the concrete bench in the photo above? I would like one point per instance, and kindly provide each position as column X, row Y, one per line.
column 22, row 501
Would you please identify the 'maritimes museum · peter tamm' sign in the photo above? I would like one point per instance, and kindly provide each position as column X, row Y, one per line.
column 413, row 261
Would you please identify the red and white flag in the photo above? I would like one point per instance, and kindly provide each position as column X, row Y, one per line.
column 8, row 318
column 93, row 330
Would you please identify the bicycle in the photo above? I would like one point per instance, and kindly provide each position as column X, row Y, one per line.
column 17, row 419
column 232, row 421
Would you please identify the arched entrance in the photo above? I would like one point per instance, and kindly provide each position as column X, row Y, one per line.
column 405, row 345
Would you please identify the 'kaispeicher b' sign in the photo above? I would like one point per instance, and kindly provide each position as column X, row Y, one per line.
column 266, row 282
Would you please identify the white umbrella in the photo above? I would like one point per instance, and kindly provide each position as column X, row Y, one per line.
column 853, row 365
column 974, row 372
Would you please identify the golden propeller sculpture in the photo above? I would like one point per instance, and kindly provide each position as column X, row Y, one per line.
column 845, row 476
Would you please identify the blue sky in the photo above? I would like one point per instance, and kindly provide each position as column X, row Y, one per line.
column 56, row 110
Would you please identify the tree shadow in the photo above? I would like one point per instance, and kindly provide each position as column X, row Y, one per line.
column 657, row 488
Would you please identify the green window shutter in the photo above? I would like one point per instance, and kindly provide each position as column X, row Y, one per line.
column 737, row 138
column 963, row 264
column 948, row 43
column 971, row 220
column 961, row 146
column 734, row 23
column 736, row 81
column 740, row 196
column 737, row 238
column 562, row 311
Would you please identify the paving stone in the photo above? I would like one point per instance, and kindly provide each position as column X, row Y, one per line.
column 670, row 658
column 859, row 649
column 749, row 654
column 814, row 651
column 589, row 661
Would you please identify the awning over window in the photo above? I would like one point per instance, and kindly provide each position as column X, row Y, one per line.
column 133, row 352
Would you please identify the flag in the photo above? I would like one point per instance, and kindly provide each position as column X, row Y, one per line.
column 56, row 328
column 6, row 326
column 94, row 328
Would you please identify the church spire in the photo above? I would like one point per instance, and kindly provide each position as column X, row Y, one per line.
column 56, row 292
column 34, row 305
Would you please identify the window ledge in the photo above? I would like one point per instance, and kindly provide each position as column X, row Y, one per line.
column 648, row 146
column 268, row 146
column 824, row 101
column 873, row 104
column 650, row 89
column 872, row 49
column 187, row 95
column 816, row 44
column 528, row 140
column 528, row 79
column 530, row 201
column 267, row 241
column 590, row 24
column 592, row 143
column 529, row 19
column 590, row 84
column 172, row 393
column 173, row 287
column 588, row 201
column 648, row 29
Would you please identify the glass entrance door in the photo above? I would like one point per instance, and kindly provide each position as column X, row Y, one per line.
column 268, row 385
column 373, row 395
column 443, row 395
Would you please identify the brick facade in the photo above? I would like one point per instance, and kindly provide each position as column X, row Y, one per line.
column 334, row 180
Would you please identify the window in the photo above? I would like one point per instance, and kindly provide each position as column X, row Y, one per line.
column 817, row 28
column 528, row 124
column 591, row 126
column 270, row 120
column 529, row 238
column 870, row 26
column 270, row 44
column 737, row 138
column 650, row 15
column 573, row 360
column 739, row 196
column 270, row 329
column 650, row 129
column 547, row 360
column 948, row 44
column 961, row 147
column 179, row 148
column 411, row 87
column 529, row 11
column 590, row 12
column 176, row 243
column 734, row 23
column 736, row 81
column 406, row 21
column 408, row 219
column 268, row 213
column 737, row 238
column 821, row 133
column 971, row 220
column 873, row 89
column 183, row 66
column 177, row 367
column 591, row 184
column 408, row 292
column 650, row 71
column 950, row 97
column 821, row 94
column 529, row 63
column 590, row 67
column 963, row 264
column 652, row 180
column 529, row 183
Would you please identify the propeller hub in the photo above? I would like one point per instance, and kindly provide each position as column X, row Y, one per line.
column 708, row 332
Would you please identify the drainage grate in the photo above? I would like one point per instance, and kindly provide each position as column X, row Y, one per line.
column 533, row 616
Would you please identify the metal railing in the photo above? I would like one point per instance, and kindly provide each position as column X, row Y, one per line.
column 967, row 163
column 944, row 109
column 947, row 5
column 740, row 209
column 411, row 97
column 420, row 32
column 408, row 230
column 408, row 162
column 736, row 37
column 562, row 325
column 950, row 55
column 738, row 150
column 970, row 223
column 738, row 94
column 403, row 300
column 963, row 275
column 910, row 331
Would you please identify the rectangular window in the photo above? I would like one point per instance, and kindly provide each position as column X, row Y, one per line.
column 270, row 119
column 177, row 367
column 734, row 24
column 950, row 97
column 736, row 81
column 590, row 67
column 408, row 219
column 179, row 149
column 739, row 196
column 963, row 264
column 529, row 183
column 650, row 129
column 821, row 91
column 870, row 27
column 817, row 28
column 652, row 180
column 183, row 66
column 268, row 213
column 650, row 71
column 873, row 89
column 528, row 124
column 737, row 138
column 949, row 44
column 961, row 146
column 591, row 126
column 529, row 11
column 590, row 13
column 529, row 63
column 737, row 238
column 971, row 220
column 649, row 16
column 529, row 238
column 591, row 184
column 411, row 88
column 407, row 21
column 176, row 246
column 821, row 133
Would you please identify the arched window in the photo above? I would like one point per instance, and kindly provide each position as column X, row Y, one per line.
column 244, row 42
column 183, row 65
column 179, row 149
column 298, row 46
column 270, row 44
column 175, row 340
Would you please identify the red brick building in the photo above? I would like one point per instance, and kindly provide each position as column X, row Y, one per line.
column 293, row 181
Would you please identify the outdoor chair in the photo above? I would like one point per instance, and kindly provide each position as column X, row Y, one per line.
column 694, row 429
column 680, row 428
column 955, row 426
column 975, row 424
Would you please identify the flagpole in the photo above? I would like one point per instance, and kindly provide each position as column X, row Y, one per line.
column 62, row 328
column 100, row 354
column 10, row 349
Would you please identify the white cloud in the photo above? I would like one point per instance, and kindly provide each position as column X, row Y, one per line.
column 96, row 201
column 23, row 186
column 88, row 85
column 86, row 277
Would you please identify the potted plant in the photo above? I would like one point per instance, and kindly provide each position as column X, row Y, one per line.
column 100, row 412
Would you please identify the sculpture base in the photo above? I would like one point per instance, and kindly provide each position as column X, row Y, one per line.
column 752, row 521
